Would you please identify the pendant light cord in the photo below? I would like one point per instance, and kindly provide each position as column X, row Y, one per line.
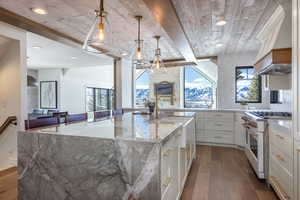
column 139, row 29
column 101, row 6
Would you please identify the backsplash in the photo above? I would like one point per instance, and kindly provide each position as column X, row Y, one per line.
column 286, row 104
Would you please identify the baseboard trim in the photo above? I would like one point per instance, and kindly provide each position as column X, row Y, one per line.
column 8, row 171
column 221, row 145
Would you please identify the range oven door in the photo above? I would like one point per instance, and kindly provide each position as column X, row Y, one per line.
column 254, row 151
column 253, row 143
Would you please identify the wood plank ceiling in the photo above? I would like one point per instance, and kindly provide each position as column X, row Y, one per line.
column 198, row 17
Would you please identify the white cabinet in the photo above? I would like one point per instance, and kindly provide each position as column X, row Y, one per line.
column 176, row 161
column 215, row 127
column 281, row 159
column 297, row 170
column 240, row 131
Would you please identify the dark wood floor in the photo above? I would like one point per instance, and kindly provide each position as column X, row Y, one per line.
column 220, row 173
column 217, row 174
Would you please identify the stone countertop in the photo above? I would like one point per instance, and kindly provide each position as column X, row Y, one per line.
column 193, row 110
column 136, row 127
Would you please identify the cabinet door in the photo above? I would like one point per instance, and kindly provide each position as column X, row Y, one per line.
column 240, row 131
column 297, row 170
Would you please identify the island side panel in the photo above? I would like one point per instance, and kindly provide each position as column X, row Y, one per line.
column 58, row 167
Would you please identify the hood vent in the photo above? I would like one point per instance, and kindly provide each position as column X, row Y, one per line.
column 276, row 62
column 275, row 54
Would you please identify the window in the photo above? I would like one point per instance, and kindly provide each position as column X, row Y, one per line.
column 142, row 88
column 98, row 99
column 199, row 91
column 248, row 85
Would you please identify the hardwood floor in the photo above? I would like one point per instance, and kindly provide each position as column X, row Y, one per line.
column 220, row 173
column 8, row 184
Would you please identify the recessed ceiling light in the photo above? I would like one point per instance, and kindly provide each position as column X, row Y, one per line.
column 219, row 45
column 36, row 47
column 73, row 57
column 124, row 54
column 39, row 11
column 221, row 22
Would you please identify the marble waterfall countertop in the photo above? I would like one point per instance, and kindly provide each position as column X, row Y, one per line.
column 129, row 126
column 112, row 159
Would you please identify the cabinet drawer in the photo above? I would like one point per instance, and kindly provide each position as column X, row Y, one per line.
column 284, row 160
column 222, row 137
column 281, row 177
column 200, row 137
column 281, row 141
column 228, row 116
column 218, row 125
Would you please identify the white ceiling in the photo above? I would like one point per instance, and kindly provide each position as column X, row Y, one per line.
column 56, row 55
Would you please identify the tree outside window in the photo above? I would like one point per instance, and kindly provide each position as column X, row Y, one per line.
column 248, row 85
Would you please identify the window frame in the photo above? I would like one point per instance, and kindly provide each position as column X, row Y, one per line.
column 108, row 97
column 184, row 103
column 136, row 78
column 259, row 82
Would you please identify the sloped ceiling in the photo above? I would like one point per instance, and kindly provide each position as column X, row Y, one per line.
column 198, row 18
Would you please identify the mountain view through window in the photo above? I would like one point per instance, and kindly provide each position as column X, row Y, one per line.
column 198, row 91
column 142, row 89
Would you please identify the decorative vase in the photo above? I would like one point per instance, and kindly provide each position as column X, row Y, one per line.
column 151, row 108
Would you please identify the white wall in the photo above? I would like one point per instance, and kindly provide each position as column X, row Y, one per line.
column 127, row 83
column 13, row 75
column 226, row 80
column 173, row 75
column 73, row 82
column 13, row 72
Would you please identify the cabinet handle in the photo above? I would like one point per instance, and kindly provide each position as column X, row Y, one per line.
column 219, row 124
column 280, row 137
column 167, row 153
column 280, row 158
column 167, row 183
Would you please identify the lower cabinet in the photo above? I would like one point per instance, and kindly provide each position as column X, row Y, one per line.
column 215, row 127
column 297, row 170
column 176, row 162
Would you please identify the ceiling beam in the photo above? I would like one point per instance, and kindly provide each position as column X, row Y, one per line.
column 172, row 64
column 40, row 29
column 166, row 15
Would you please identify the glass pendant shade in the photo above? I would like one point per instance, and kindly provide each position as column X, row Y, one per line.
column 158, row 64
column 99, row 34
column 138, row 57
column 138, row 54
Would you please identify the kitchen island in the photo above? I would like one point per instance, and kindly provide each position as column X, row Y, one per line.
column 125, row 157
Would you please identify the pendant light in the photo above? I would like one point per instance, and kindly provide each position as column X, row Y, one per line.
column 138, row 53
column 158, row 63
column 99, row 34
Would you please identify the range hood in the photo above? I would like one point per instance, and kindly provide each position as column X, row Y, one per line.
column 276, row 62
column 275, row 54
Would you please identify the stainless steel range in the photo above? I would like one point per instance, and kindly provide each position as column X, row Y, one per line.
column 257, row 138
